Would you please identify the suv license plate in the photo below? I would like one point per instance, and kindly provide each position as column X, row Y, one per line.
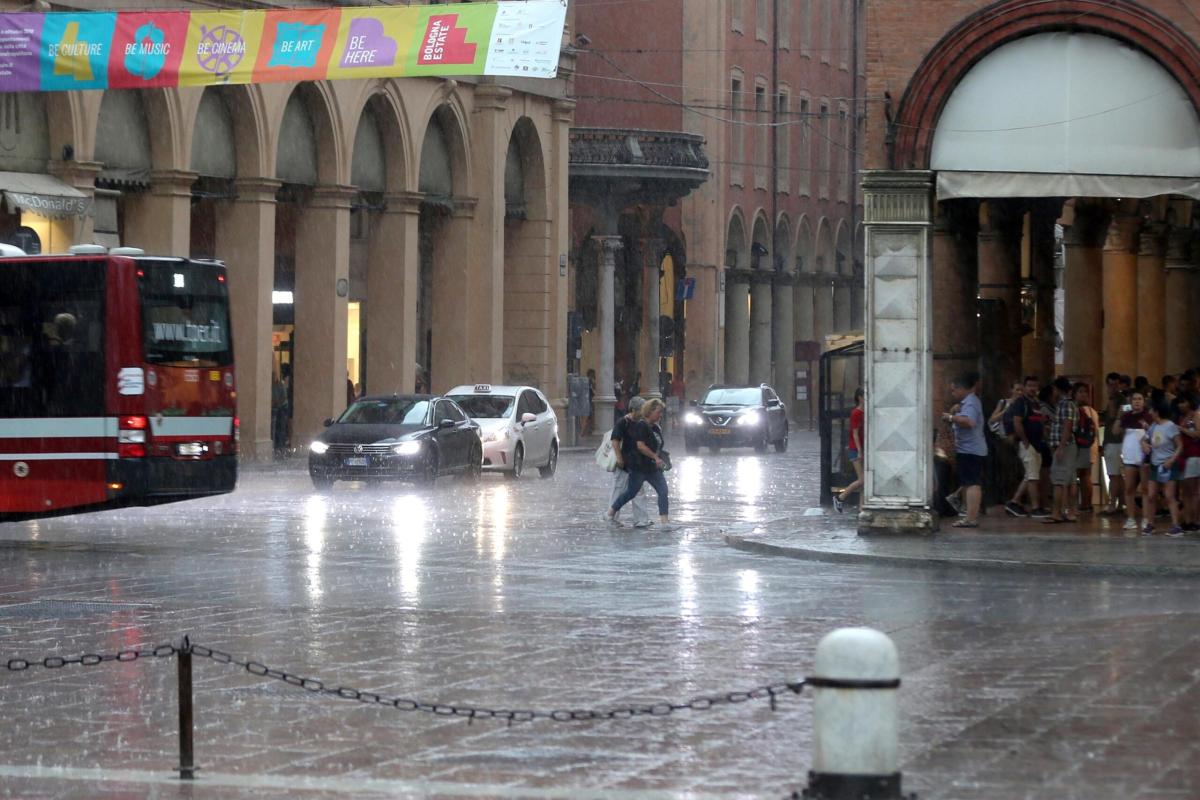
column 719, row 431
column 356, row 462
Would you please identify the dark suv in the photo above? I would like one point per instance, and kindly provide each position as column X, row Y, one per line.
column 737, row 416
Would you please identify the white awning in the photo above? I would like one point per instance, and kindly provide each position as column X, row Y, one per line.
column 43, row 194
column 952, row 184
column 1067, row 114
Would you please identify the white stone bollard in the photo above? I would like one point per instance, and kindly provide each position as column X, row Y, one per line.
column 855, row 727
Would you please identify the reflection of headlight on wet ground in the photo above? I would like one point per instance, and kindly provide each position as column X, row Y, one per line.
column 407, row 448
column 692, row 419
column 752, row 418
column 319, row 448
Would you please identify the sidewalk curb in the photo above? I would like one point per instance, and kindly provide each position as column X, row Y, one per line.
column 1066, row 568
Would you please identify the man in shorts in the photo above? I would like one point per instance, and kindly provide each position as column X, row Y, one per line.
column 1065, row 452
column 1028, row 426
column 970, row 444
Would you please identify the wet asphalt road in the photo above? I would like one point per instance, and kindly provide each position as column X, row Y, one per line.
column 515, row 595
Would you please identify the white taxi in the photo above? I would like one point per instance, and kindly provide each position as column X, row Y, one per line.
column 517, row 425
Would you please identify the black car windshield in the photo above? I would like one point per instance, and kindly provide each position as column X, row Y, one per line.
column 485, row 406
column 386, row 411
column 732, row 397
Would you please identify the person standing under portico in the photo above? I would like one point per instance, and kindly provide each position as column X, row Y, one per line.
column 970, row 444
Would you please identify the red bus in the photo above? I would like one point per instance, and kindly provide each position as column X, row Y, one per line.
column 116, row 381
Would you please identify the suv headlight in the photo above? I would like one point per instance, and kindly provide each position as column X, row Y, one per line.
column 692, row 418
column 407, row 448
column 319, row 448
column 750, row 418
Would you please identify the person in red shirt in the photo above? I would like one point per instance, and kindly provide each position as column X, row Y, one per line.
column 857, row 451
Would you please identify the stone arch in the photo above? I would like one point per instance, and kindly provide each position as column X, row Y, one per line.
column 737, row 248
column 989, row 28
column 213, row 139
column 760, row 243
column 307, row 122
column 782, row 251
column 526, row 289
column 381, row 100
column 823, row 253
column 444, row 244
column 803, row 250
column 843, row 258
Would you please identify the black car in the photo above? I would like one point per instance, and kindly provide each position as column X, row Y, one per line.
column 396, row 437
column 736, row 416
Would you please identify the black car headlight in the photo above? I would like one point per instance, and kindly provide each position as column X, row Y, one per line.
column 319, row 448
column 407, row 448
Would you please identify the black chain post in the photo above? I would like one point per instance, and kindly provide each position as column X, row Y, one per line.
column 187, row 769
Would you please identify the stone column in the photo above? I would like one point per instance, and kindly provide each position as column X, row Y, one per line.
column 1119, row 287
column 393, row 275
column 1082, row 289
column 999, row 259
column 1149, row 300
column 558, row 162
column 955, row 284
column 1039, row 347
column 841, row 305
column 898, row 353
column 605, row 400
column 484, row 291
column 74, row 230
column 160, row 221
column 245, row 241
column 760, row 327
column 1177, row 310
column 737, row 328
column 823, row 308
column 322, row 264
column 804, row 316
column 784, row 337
column 652, row 250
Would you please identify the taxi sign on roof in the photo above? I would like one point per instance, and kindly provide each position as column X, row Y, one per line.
column 483, row 387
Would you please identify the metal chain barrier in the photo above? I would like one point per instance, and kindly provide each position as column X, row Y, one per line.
column 661, row 709
column 89, row 659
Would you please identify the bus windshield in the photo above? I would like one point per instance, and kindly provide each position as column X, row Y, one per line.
column 185, row 314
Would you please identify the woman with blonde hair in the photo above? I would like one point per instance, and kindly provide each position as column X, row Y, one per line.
column 648, row 464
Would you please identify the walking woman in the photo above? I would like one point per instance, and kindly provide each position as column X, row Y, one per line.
column 647, row 464
column 1189, row 428
column 1131, row 426
column 857, row 451
column 1163, row 444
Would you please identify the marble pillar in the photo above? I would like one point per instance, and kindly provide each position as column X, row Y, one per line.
column 605, row 400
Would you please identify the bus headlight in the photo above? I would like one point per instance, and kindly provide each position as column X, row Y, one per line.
column 407, row 448
column 319, row 448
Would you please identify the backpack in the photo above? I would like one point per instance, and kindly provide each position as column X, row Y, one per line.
column 1085, row 430
column 1010, row 411
column 606, row 456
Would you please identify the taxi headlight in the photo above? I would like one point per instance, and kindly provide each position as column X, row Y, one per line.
column 407, row 448
column 497, row 436
column 692, row 418
column 751, row 418
column 319, row 448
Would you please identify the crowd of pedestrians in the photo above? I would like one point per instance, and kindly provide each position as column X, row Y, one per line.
column 1146, row 437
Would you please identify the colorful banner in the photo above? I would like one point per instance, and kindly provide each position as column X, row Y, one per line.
column 57, row 51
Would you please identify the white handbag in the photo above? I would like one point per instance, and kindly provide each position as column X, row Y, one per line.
column 606, row 456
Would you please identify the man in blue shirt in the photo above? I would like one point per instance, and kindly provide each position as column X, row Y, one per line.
column 970, row 445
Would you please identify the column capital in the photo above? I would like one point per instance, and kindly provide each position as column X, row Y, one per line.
column 609, row 243
column 166, row 179
column 1089, row 226
column 1122, row 234
column 332, row 196
column 738, row 275
column 1152, row 243
column 76, row 173
column 564, row 111
column 464, row 207
column 256, row 189
column 897, row 196
column 402, row 203
column 491, row 97
column 1179, row 246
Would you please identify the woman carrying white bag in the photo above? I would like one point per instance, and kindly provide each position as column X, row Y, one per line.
column 611, row 456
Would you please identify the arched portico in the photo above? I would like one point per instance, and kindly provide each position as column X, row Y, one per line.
column 1109, row 122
